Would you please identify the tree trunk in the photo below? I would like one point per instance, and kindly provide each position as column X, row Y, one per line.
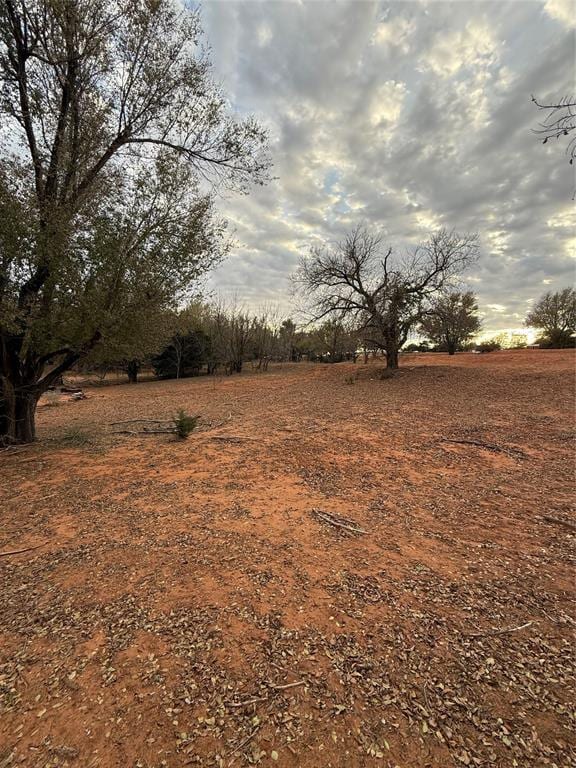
column 392, row 357
column 133, row 369
column 23, row 381
column 17, row 413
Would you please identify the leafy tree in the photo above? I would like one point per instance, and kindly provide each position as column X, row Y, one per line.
column 185, row 355
column 555, row 315
column 106, row 106
column 451, row 320
column 335, row 341
column 383, row 294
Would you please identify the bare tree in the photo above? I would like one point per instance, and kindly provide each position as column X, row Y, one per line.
column 560, row 121
column 385, row 294
column 451, row 320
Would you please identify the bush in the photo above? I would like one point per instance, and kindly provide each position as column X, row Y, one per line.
column 184, row 425
column 557, row 340
column 488, row 346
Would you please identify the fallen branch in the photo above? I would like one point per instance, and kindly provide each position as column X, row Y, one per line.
column 18, row 551
column 559, row 521
column 488, row 446
column 144, row 432
column 14, row 448
column 493, row 632
column 140, row 421
column 287, row 685
column 328, row 518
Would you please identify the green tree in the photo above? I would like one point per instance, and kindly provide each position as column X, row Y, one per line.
column 99, row 99
column 451, row 320
column 555, row 315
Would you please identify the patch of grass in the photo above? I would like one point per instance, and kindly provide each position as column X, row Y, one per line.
column 53, row 398
column 184, row 424
column 75, row 437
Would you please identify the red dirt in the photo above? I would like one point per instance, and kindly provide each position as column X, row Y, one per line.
column 179, row 582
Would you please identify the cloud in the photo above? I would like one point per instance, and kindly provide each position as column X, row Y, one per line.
column 563, row 11
column 406, row 116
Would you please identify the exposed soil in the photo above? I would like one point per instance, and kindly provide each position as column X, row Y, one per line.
column 325, row 573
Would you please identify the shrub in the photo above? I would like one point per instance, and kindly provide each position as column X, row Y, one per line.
column 184, row 425
column 488, row 346
column 74, row 437
column 424, row 347
column 557, row 340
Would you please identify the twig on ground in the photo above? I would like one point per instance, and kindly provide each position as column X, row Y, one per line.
column 141, row 421
column 287, row 685
column 18, row 551
column 328, row 518
column 244, row 742
column 14, row 448
column 492, row 632
column 489, row 446
column 559, row 521
column 144, row 432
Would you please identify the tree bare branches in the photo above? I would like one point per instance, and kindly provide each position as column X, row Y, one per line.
column 385, row 294
column 560, row 122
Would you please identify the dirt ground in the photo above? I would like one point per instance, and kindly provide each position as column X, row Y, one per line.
column 322, row 575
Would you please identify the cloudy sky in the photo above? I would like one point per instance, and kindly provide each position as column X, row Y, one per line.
column 407, row 116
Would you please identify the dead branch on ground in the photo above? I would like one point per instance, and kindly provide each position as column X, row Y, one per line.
column 515, row 452
column 19, row 551
column 338, row 522
column 494, row 632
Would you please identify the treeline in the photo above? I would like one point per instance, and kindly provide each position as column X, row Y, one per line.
column 212, row 338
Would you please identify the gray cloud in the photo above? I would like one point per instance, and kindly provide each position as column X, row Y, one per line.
column 408, row 116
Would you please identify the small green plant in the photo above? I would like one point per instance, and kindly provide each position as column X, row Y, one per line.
column 184, row 425
column 349, row 379
column 75, row 437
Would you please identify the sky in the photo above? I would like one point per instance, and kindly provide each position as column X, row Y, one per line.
column 407, row 117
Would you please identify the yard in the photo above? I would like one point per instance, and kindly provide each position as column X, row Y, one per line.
column 333, row 570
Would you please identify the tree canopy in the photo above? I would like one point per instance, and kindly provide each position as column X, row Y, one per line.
column 451, row 320
column 110, row 118
column 555, row 315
